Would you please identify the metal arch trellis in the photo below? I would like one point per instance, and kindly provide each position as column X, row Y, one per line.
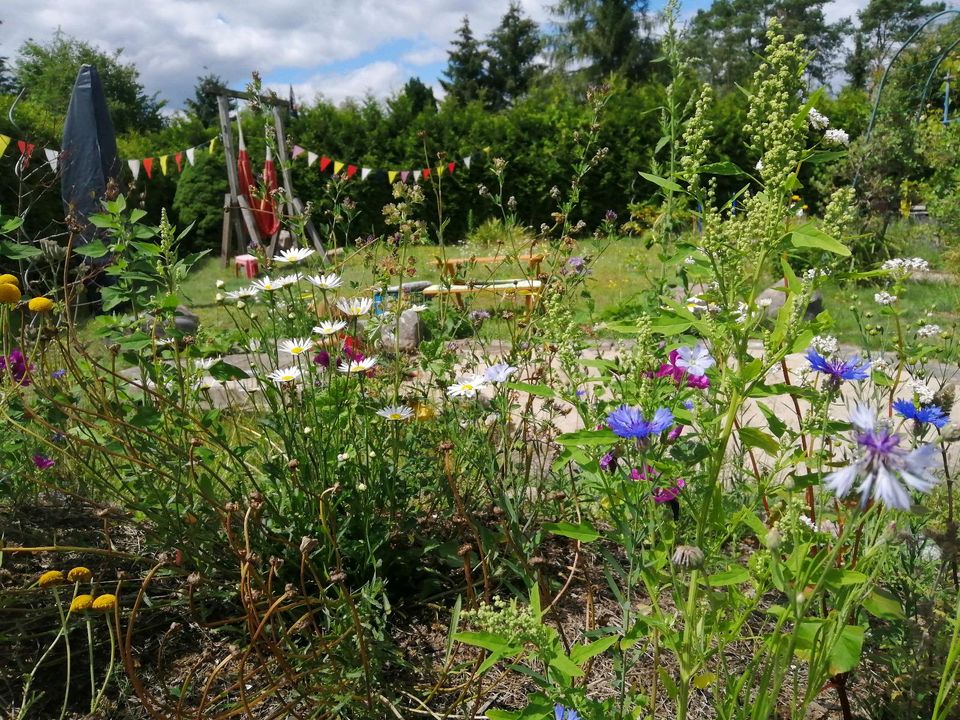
column 926, row 86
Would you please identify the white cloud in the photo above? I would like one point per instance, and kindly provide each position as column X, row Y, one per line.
column 379, row 79
column 172, row 42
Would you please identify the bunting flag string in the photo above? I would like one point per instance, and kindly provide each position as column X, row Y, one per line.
column 4, row 144
column 163, row 164
column 134, row 168
column 148, row 167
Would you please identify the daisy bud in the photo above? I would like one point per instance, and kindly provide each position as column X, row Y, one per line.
column 220, row 284
column 773, row 538
column 218, row 297
column 308, row 544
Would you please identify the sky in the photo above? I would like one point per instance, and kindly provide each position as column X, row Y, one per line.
column 333, row 48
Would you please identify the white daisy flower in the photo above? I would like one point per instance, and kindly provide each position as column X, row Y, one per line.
column 206, row 363
column 266, row 284
column 325, row 282
column 285, row 375
column 290, row 279
column 329, row 327
column 396, row 412
column 246, row 292
column 467, row 386
column 355, row 307
column 294, row 255
column 296, row 346
column 357, row 366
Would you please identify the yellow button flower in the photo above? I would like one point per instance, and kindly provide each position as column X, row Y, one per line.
column 104, row 603
column 9, row 294
column 50, row 578
column 81, row 603
column 9, row 279
column 79, row 574
column 40, row 305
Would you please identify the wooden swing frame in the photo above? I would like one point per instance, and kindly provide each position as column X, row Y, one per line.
column 239, row 224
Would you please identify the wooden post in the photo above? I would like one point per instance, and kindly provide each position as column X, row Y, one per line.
column 284, row 165
column 225, row 237
column 236, row 196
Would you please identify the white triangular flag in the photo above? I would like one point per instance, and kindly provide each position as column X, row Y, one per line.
column 311, row 158
column 364, row 172
column 466, row 162
column 134, row 168
column 52, row 157
column 191, row 155
column 416, row 176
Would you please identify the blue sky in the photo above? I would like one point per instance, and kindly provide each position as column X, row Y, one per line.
column 334, row 48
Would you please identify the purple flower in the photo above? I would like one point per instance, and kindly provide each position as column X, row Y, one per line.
column 932, row 414
column 578, row 265
column 680, row 375
column 500, row 372
column 479, row 315
column 17, row 366
column 881, row 463
column 42, row 462
column 57, row 374
column 610, row 216
column 664, row 495
column 836, row 370
column 322, row 359
column 562, row 713
column 608, row 463
column 628, row 422
column 694, row 360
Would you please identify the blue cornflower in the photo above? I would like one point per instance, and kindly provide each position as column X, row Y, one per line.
column 57, row 374
column 562, row 713
column 852, row 369
column 628, row 422
column 932, row 414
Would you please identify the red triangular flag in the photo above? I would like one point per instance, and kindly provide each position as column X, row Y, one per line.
column 26, row 149
column 178, row 158
column 148, row 166
column 324, row 162
column 351, row 170
column 450, row 167
column 426, row 173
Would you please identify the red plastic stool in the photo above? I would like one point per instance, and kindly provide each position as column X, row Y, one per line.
column 249, row 265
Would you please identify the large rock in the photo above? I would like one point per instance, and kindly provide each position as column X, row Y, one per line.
column 778, row 297
column 412, row 332
column 184, row 321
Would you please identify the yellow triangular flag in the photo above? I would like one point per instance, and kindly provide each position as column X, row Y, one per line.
column 391, row 175
column 337, row 167
column 212, row 144
column 440, row 169
column 163, row 163
column 4, row 141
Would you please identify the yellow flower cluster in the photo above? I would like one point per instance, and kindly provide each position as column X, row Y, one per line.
column 9, row 290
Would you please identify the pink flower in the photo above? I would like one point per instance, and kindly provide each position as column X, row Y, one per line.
column 42, row 462
column 663, row 495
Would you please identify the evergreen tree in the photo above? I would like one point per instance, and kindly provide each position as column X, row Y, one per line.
column 729, row 37
column 416, row 98
column 466, row 70
column 203, row 104
column 513, row 47
column 608, row 35
column 884, row 25
column 49, row 71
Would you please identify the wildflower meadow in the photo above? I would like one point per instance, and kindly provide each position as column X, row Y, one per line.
column 337, row 496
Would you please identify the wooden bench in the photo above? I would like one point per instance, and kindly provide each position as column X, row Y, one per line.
column 453, row 284
column 529, row 289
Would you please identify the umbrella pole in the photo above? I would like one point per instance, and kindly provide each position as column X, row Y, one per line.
column 237, row 198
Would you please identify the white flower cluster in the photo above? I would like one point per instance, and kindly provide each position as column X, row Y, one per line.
column 826, row 345
column 880, row 364
column 817, row 120
column 928, row 331
column 920, row 389
column 904, row 266
column 884, row 298
column 836, row 136
column 811, row 274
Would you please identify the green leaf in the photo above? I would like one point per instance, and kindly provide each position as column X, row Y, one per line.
column 670, row 325
column 810, row 236
column 582, row 653
column 539, row 390
column 662, row 182
column 884, row 604
column 588, row 438
column 734, row 576
column 838, row 577
column 752, row 437
column 585, row 532
column 565, row 665
column 223, row 371
column 488, row 641
column 18, row 251
column 777, row 426
column 721, row 168
column 821, row 156
column 846, row 653
column 95, row 249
